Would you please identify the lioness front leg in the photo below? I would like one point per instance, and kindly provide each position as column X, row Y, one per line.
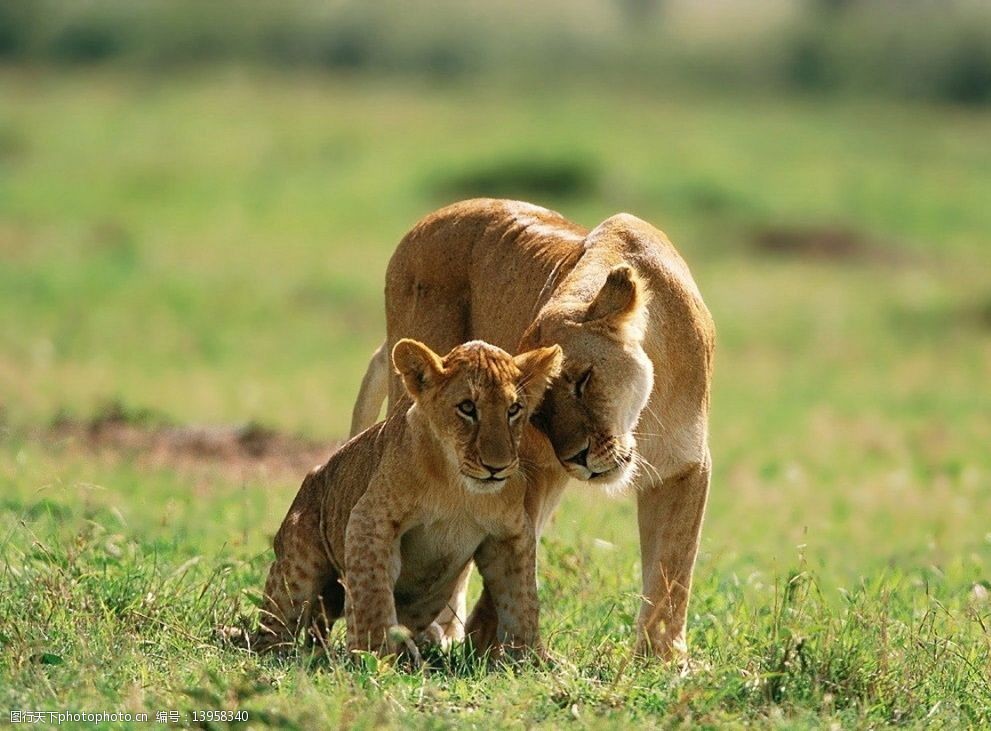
column 482, row 627
column 449, row 626
column 508, row 568
column 372, row 567
column 670, row 518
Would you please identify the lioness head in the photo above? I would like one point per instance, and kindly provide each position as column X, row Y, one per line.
column 477, row 399
column 590, row 411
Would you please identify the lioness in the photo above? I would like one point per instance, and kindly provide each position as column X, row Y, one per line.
column 631, row 404
column 383, row 530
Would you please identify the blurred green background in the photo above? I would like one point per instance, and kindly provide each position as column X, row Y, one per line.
column 198, row 201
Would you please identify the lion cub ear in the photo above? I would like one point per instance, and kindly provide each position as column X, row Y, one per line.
column 418, row 365
column 621, row 301
column 538, row 368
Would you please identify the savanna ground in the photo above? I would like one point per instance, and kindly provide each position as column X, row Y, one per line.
column 210, row 249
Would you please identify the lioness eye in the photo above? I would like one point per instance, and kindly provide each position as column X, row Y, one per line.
column 515, row 409
column 467, row 408
column 582, row 382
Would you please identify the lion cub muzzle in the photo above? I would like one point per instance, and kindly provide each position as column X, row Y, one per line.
column 487, row 479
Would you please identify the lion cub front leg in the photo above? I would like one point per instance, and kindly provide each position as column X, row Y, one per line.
column 508, row 568
column 371, row 569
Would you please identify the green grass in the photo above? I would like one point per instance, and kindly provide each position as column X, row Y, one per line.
column 212, row 247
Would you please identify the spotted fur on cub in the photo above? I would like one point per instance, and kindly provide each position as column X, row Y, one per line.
column 382, row 532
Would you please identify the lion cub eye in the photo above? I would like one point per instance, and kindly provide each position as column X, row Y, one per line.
column 515, row 410
column 467, row 408
column 582, row 382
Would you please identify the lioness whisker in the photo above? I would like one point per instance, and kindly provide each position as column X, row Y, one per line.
column 642, row 461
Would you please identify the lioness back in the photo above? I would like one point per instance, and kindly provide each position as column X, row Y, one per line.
column 429, row 292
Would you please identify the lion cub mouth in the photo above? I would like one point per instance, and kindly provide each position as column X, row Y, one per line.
column 483, row 485
column 486, row 479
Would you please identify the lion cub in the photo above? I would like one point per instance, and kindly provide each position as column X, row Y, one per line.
column 382, row 531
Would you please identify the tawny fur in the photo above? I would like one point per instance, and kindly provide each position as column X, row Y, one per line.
column 384, row 530
column 637, row 342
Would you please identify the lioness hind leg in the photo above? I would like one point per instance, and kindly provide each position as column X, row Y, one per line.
column 374, row 389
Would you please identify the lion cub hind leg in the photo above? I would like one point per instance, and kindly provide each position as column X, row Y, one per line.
column 298, row 591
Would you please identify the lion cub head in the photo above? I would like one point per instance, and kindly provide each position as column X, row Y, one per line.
column 477, row 399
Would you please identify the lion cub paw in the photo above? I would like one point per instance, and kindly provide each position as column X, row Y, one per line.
column 398, row 644
column 242, row 639
column 517, row 654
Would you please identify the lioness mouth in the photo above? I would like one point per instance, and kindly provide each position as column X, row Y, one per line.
column 603, row 473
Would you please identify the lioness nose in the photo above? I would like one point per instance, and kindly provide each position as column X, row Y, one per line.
column 493, row 471
column 580, row 459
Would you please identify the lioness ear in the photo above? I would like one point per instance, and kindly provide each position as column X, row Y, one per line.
column 417, row 364
column 621, row 300
column 538, row 368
